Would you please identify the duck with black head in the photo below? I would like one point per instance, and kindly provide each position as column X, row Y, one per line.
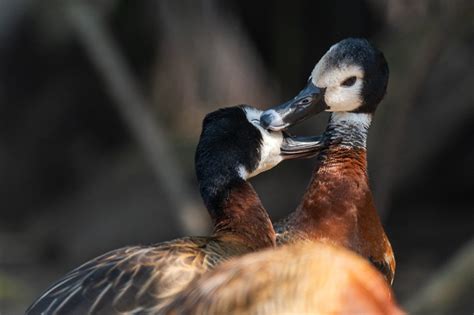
column 233, row 147
column 349, row 81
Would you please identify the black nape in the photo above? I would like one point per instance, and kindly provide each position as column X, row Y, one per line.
column 228, row 141
column 375, row 83
column 376, row 74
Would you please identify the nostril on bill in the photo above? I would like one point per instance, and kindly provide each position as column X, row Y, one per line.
column 266, row 120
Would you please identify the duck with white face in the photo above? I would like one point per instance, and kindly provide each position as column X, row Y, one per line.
column 233, row 147
column 349, row 81
column 351, row 77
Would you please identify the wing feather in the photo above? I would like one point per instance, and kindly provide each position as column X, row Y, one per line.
column 130, row 279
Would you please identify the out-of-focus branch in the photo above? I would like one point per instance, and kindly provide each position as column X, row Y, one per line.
column 443, row 290
column 135, row 110
column 205, row 60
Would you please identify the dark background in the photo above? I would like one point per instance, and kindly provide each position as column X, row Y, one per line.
column 101, row 104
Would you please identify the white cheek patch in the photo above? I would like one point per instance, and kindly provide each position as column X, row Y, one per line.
column 337, row 97
column 269, row 151
column 271, row 156
column 270, row 148
column 341, row 98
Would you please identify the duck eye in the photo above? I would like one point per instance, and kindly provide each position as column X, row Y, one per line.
column 305, row 101
column 349, row 81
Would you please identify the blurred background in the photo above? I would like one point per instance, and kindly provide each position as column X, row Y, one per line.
column 101, row 104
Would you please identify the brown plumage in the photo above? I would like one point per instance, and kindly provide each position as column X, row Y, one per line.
column 338, row 208
column 143, row 279
column 349, row 81
column 308, row 278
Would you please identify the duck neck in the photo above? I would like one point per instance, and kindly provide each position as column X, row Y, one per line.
column 339, row 190
column 237, row 213
column 350, row 128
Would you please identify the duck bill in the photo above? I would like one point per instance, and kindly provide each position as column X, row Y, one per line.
column 301, row 147
column 309, row 102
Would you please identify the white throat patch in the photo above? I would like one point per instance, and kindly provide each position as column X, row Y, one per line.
column 270, row 148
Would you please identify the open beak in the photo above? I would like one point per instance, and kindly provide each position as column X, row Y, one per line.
column 301, row 147
column 309, row 102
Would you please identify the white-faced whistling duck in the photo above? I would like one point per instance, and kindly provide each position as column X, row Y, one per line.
column 349, row 81
column 142, row 279
column 304, row 278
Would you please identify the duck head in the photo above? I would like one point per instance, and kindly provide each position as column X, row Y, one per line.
column 351, row 77
column 234, row 147
column 233, row 139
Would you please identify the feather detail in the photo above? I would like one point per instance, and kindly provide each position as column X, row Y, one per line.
column 338, row 208
column 133, row 279
column 304, row 278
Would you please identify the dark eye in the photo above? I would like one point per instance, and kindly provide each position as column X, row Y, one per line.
column 305, row 101
column 349, row 81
